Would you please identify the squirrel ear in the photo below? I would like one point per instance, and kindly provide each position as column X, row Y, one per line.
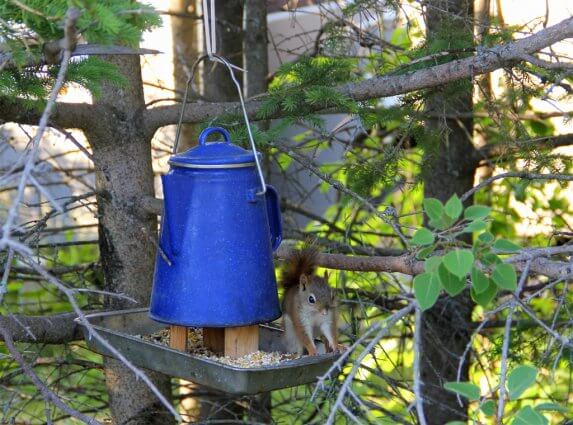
column 303, row 281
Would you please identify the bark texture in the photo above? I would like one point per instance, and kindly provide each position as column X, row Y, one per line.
column 122, row 159
column 256, row 62
column 217, row 83
column 484, row 61
column 255, row 53
column 449, row 169
column 55, row 329
column 218, row 86
column 186, row 49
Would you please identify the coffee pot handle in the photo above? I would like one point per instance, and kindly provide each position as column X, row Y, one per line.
column 274, row 214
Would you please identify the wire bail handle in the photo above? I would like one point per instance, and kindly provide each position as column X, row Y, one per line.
column 211, row 45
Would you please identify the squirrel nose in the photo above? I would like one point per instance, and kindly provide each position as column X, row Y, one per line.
column 324, row 312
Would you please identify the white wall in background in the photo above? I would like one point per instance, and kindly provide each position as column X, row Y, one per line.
column 292, row 34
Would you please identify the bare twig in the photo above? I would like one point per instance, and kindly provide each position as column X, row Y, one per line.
column 388, row 216
column 48, row 395
column 69, row 293
column 417, row 384
column 506, row 341
column 71, row 18
column 389, row 323
column 519, row 174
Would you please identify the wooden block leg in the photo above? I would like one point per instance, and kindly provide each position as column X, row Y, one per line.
column 241, row 340
column 178, row 338
column 214, row 339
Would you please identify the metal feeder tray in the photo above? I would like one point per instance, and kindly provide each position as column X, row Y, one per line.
column 120, row 328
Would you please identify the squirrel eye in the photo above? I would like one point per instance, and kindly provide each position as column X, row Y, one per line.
column 311, row 299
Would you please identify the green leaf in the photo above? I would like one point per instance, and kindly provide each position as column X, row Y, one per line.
column 505, row 277
column 426, row 289
column 480, row 282
column 476, row 212
column 504, row 245
column 485, row 238
column 551, row 407
column 451, row 283
column 486, row 297
column 432, row 263
column 433, row 208
column 488, row 407
column 422, row 237
column 442, row 223
column 459, row 262
column 490, row 259
column 528, row 416
column 475, row 226
column 520, row 379
column 424, row 252
column 456, row 423
column 465, row 389
column 454, row 207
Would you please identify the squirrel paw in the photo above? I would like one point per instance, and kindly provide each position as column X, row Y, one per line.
column 339, row 348
column 312, row 351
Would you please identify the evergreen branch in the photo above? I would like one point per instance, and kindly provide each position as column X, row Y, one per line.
column 519, row 174
column 72, row 17
column 550, row 142
column 387, row 216
column 483, row 62
column 52, row 53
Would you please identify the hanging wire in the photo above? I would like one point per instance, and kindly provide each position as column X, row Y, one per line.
column 211, row 47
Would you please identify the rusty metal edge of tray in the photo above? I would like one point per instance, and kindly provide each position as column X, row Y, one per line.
column 301, row 361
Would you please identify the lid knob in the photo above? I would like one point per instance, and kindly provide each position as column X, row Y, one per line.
column 210, row 130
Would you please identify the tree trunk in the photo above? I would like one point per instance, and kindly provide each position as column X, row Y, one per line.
column 256, row 62
column 448, row 170
column 255, row 53
column 217, row 83
column 122, row 158
column 186, row 49
column 218, row 86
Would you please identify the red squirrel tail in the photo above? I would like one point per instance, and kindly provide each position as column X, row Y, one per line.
column 298, row 263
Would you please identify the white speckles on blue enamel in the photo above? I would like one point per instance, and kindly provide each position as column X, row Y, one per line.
column 219, row 244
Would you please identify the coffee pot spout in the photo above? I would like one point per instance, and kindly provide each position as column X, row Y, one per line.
column 274, row 216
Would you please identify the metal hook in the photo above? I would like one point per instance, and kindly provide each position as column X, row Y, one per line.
column 229, row 66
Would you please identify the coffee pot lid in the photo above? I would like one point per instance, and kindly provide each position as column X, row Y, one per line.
column 214, row 154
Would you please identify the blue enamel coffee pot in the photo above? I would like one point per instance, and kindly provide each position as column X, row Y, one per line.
column 218, row 232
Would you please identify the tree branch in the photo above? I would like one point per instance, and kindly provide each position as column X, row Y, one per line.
column 64, row 114
column 485, row 61
column 56, row 329
column 48, row 395
column 407, row 263
column 418, row 383
column 550, row 142
column 506, row 342
column 519, row 174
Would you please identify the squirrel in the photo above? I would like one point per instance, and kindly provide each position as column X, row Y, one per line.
column 309, row 305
